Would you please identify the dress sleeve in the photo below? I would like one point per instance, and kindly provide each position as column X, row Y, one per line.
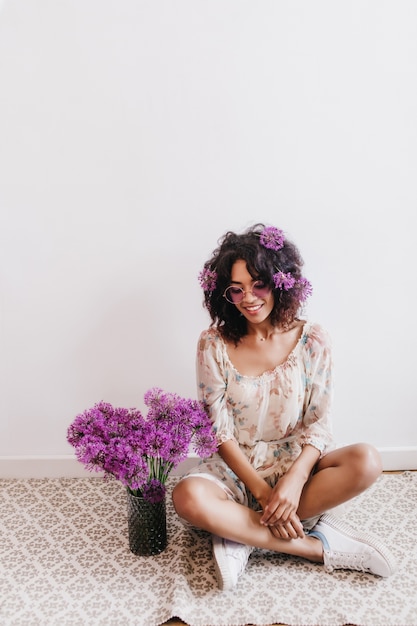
column 316, row 424
column 212, row 379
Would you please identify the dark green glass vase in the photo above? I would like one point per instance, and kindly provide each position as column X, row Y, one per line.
column 147, row 524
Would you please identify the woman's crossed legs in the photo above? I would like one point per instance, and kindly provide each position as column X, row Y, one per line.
column 339, row 476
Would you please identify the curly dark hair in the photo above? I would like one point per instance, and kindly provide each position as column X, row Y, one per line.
column 262, row 263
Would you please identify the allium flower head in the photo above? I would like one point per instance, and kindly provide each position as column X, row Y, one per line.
column 154, row 491
column 272, row 238
column 139, row 450
column 208, row 279
column 304, row 288
column 283, row 281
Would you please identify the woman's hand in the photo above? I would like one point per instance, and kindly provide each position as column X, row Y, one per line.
column 280, row 511
column 263, row 496
column 292, row 529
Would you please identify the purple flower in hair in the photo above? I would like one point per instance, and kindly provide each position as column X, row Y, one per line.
column 283, row 281
column 208, row 279
column 272, row 238
column 305, row 289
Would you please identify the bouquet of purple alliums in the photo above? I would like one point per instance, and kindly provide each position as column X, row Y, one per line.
column 138, row 450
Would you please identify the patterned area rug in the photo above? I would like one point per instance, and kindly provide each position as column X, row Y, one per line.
column 65, row 560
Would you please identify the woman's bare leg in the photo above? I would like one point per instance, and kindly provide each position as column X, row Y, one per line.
column 340, row 476
column 205, row 505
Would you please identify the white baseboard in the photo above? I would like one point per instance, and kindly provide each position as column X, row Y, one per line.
column 396, row 459
column 63, row 466
column 66, row 466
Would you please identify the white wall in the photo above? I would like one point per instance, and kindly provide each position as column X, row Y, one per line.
column 133, row 133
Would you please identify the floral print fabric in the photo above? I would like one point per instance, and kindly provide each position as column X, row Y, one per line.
column 273, row 415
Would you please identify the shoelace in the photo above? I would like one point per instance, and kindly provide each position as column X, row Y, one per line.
column 346, row 560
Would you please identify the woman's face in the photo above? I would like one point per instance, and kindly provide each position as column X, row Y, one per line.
column 256, row 308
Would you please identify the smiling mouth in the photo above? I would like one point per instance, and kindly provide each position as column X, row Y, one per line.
column 253, row 309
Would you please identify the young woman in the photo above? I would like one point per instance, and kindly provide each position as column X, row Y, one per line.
column 265, row 376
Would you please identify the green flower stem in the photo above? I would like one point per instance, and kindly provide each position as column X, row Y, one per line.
column 159, row 469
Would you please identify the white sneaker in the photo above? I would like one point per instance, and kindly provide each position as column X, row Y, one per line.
column 230, row 559
column 346, row 548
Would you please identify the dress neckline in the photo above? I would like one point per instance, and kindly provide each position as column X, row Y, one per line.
column 290, row 359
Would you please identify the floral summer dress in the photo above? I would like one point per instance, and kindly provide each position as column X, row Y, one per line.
column 270, row 416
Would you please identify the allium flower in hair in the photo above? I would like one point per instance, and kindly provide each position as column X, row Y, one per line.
column 272, row 238
column 283, row 281
column 208, row 279
column 304, row 288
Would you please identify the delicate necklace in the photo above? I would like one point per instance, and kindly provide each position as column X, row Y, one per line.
column 259, row 338
column 275, row 331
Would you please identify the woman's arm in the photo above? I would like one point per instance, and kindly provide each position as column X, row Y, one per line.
column 284, row 499
column 316, row 428
column 239, row 464
column 212, row 387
